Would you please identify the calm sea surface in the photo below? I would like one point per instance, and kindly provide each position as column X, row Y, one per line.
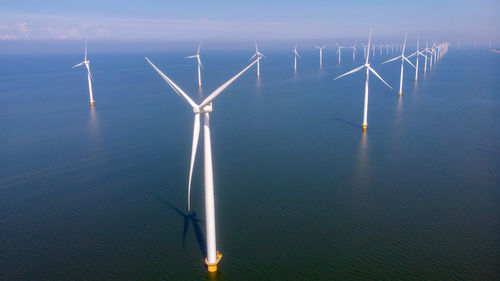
column 301, row 192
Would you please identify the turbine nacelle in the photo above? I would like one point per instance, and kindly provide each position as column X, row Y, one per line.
column 206, row 109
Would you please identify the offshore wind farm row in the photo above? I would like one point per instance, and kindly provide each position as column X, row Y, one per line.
column 430, row 53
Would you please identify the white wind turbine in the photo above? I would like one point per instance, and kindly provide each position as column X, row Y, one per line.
column 197, row 57
column 418, row 53
column 320, row 54
column 353, row 51
column 86, row 62
column 205, row 107
column 368, row 69
column 427, row 51
column 339, row 50
column 259, row 55
column 295, row 55
column 364, row 50
column 403, row 59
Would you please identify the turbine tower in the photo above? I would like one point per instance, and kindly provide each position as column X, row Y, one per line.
column 418, row 53
column 197, row 57
column 320, row 54
column 403, row 59
column 86, row 62
column 295, row 55
column 204, row 108
column 259, row 55
column 368, row 69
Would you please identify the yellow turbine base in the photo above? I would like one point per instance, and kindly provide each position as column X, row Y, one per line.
column 92, row 103
column 212, row 267
column 364, row 127
column 400, row 93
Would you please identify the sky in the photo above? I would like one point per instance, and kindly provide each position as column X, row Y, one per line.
column 124, row 20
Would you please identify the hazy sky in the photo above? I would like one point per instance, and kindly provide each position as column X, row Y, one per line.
column 470, row 20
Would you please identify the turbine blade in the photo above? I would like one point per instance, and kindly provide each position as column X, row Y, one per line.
column 199, row 46
column 196, row 135
column 412, row 54
column 78, row 64
column 176, row 88
column 253, row 56
column 191, row 57
column 369, row 42
column 408, row 61
column 398, row 57
column 199, row 61
column 376, row 74
column 350, row 72
column 88, row 69
column 85, row 50
column 219, row 90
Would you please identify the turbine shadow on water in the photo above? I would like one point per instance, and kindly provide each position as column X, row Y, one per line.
column 347, row 122
column 188, row 217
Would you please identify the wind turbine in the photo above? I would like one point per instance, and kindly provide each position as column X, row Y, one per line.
column 197, row 57
column 295, row 55
column 418, row 53
column 86, row 62
column 353, row 51
column 205, row 107
column 427, row 51
column 403, row 59
column 364, row 50
column 368, row 69
column 320, row 54
column 257, row 54
column 339, row 50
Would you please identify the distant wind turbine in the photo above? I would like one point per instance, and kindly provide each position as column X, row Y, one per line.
column 205, row 107
column 403, row 59
column 320, row 54
column 197, row 57
column 354, row 51
column 295, row 55
column 339, row 50
column 86, row 62
column 427, row 51
column 418, row 53
column 258, row 55
column 368, row 69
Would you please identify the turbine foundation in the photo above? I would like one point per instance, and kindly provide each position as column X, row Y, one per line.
column 212, row 267
column 364, row 127
column 92, row 103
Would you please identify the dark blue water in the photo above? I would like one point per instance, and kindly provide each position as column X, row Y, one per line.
column 301, row 192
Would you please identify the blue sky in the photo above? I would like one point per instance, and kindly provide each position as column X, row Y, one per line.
column 240, row 20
